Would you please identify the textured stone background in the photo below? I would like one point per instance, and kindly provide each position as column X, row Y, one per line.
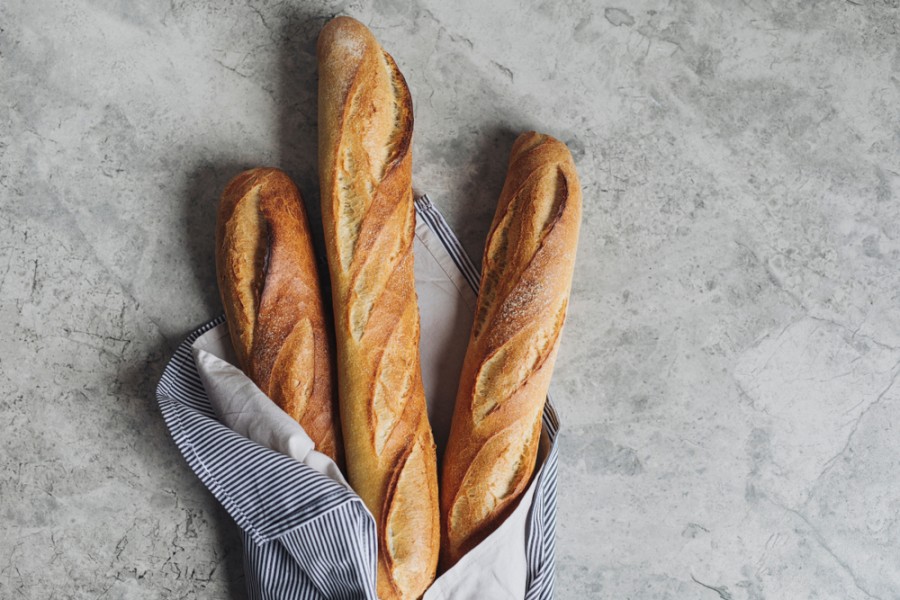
column 727, row 375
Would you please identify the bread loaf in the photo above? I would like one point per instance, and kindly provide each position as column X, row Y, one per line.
column 270, row 290
column 526, row 276
column 365, row 129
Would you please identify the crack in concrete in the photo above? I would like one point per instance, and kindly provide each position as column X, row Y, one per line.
column 829, row 464
column 260, row 15
column 854, row 333
column 721, row 591
column 232, row 69
column 817, row 535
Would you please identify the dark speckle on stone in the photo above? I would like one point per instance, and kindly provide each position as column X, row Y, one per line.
column 759, row 448
column 693, row 530
column 603, row 456
column 618, row 16
column 871, row 247
column 576, row 147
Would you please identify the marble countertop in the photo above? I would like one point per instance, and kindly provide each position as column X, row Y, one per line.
column 727, row 376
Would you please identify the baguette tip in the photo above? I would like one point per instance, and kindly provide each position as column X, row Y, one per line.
column 345, row 35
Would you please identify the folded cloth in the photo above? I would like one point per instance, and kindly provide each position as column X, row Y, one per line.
column 247, row 410
column 306, row 534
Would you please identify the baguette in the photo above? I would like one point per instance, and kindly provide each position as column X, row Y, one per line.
column 526, row 275
column 365, row 129
column 267, row 278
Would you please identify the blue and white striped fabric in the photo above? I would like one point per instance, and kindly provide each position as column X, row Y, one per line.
column 306, row 536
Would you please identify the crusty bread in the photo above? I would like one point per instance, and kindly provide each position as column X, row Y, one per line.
column 365, row 129
column 270, row 290
column 526, row 276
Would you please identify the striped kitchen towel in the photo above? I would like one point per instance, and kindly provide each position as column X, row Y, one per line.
column 307, row 536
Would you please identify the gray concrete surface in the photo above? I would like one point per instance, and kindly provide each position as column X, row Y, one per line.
column 727, row 378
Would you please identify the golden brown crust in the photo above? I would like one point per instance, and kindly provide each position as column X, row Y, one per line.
column 273, row 305
column 365, row 129
column 526, row 276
